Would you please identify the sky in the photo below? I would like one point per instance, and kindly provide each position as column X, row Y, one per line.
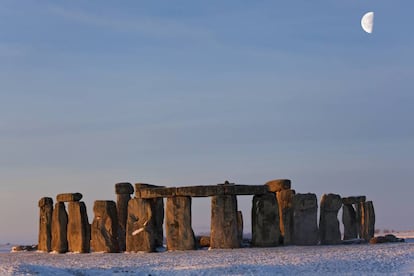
column 181, row 93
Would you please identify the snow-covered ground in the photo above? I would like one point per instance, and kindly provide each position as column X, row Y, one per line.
column 395, row 258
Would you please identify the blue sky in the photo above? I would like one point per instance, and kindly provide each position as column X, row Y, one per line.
column 198, row 92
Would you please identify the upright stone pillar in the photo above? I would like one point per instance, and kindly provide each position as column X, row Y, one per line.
column 224, row 232
column 79, row 229
column 104, row 228
column 328, row 221
column 180, row 235
column 351, row 216
column 367, row 220
column 305, row 228
column 140, row 234
column 45, row 224
column 123, row 195
column 265, row 220
column 350, row 222
column 285, row 204
column 59, row 228
column 157, row 205
column 240, row 226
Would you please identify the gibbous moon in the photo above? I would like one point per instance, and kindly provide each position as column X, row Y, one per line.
column 367, row 22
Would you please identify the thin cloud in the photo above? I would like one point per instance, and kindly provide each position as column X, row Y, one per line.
column 12, row 50
column 150, row 26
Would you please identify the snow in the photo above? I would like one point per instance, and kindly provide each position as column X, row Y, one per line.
column 391, row 258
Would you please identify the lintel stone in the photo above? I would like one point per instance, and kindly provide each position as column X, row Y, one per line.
column 278, row 184
column 69, row 197
column 353, row 199
column 201, row 191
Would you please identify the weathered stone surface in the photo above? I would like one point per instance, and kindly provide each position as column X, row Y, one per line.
column 145, row 187
column 45, row 224
column 224, row 232
column 140, row 234
column 328, row 220
column 285, row 204
column 79, row 230
column 305, row 228
column 180, row 235
column 385, row 239
column 350, row 222
column 265, row 220
column 353, row 199
column 122, row 210
column 367, row 220
column 59, row 228
column 157, row 205
column 240, row 226
column 69, row 197
column 203, row 241
column 104, row 228
column 124, row 188
column 200, row 191
column 278, row 184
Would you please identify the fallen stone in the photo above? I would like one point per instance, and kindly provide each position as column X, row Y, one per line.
column 385, row 239
column 19, row 248
column 124, row 188
column 180, row 235
column 79, row 231
column 45, row 224
column 278, row 185
column 59, row 228
column 224, row 233
column 104, row 228
column 203, row 241
column 69, row 197
column 265, row 221
column 305, row 228
column 328, row 220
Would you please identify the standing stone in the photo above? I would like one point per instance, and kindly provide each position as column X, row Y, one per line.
column 140, row 234
column 157, row 205
column 158, row 209
column 285, row 205
column 240, row 226
column 350, row 222
column 79, row 230
column 45, row 224
column 328, row 221
column 224, row 233
column 123, row 195
column 265, row 220
column 104, row 228
column 180, row 235
column 367, row 220
column 305, row 228
column 59, row 228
